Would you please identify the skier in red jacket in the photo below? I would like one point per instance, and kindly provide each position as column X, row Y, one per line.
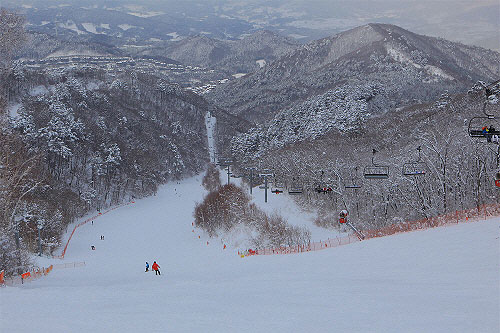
column 156, row 268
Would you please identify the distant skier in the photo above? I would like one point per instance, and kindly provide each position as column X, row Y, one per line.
column 156, row 268
column 147, row 266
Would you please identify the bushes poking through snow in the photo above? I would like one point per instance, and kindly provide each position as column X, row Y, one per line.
column 211, row 180
column 229, row 206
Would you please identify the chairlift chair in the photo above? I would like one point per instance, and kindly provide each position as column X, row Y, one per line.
column 324, row 189
column 277, row 187
column 376, row 171
column 477, row 125
column 323, row 186
column 295, row 190
column 415, row 168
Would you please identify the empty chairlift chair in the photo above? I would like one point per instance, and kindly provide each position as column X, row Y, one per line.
column 295, row 189
column 376, row 171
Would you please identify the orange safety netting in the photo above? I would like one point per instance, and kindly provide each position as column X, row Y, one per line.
column 459, row 216
column 87, row 221
column 314, row 246
column 36, row 273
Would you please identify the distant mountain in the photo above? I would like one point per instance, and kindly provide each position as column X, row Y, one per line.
column 41, row 45
column 401, row 68
column 238, row 56
column 470, row 22
column 123, row 26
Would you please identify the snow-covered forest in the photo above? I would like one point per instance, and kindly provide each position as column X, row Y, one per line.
column 268, row 175
column 455, row 171
column 80, row 136
column 82, row 139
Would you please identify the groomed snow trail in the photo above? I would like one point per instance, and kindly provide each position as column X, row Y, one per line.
column 438, row 280
column 210, row 123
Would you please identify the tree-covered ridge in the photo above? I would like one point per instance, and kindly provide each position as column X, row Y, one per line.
column 458, row 171
column 407, row 68
column 343, row 109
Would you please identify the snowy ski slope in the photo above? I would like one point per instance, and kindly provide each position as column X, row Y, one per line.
column 441, row 280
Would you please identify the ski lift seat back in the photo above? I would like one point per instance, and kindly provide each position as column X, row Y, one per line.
column 477, row 126
column 376, row 172
column 295, row 190
column 325, row 189
column 414, row 169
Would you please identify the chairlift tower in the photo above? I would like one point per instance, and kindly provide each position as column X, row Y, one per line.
column 39, row 226
column 250, row 177
column 266, row 174
column 226, row 163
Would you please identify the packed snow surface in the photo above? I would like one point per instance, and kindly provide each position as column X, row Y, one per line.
column 210, row 123
column 438, row 280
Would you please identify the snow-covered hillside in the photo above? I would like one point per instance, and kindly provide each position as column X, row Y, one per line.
column 441, row 280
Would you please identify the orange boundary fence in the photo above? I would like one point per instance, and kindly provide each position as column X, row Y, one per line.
column 314, row 246
column 85, row 222
column 459, row 216
column 36, row 273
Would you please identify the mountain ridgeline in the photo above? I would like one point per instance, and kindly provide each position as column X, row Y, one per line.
column 399, row 67
column 234, row 56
